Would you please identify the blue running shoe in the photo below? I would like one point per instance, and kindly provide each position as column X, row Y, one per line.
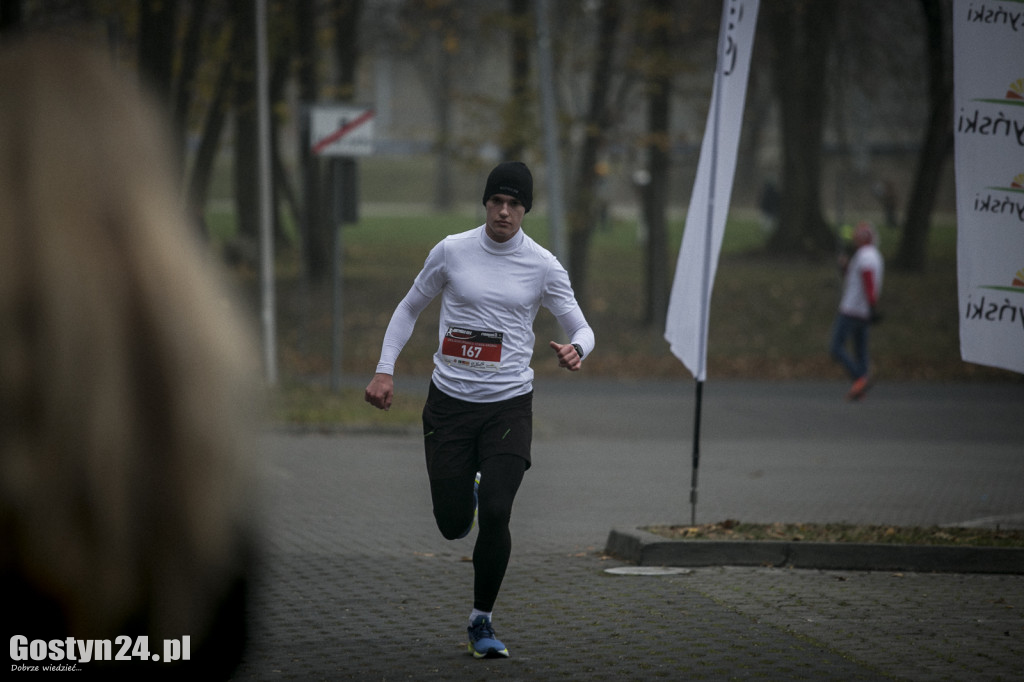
column 476, row 504
column 482, row 642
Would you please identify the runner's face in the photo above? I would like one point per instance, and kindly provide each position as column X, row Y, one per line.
column 504, row 217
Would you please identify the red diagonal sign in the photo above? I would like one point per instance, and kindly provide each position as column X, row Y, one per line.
column 342, row 131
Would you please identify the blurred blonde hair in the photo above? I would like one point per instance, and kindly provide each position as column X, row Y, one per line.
column 124, row 480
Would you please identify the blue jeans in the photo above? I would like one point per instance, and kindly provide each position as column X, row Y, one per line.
column 856, row 330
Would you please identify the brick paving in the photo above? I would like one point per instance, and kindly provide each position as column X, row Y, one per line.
column 356, row 583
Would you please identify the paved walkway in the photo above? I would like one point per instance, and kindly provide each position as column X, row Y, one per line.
column 358, row 584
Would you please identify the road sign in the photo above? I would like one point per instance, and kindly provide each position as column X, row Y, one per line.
column 341, row 130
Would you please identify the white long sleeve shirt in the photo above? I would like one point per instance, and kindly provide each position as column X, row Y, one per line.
column 490, row 295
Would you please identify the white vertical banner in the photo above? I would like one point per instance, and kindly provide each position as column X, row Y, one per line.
column 686, row 327
column 988, row 93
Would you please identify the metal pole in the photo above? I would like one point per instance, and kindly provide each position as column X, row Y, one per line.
column 696, row 453
column 337, row 326
column 265, row 204
column 556, row 209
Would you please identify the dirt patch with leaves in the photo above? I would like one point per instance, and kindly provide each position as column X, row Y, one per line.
column 840, row 532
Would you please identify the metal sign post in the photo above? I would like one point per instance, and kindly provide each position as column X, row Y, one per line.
column 268, row 303
column 339, row 131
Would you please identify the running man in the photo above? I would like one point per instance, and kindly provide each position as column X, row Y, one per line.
column 478, row 417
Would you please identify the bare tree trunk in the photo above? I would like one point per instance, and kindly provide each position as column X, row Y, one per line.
column 515, row 134
column 346, row 23
column 583, row 210
column 156, row 53
column 659, row 84
column 191, row 57
column 802, row 32
column 443, row 193
column 280, row 70
column 157, row 22
column 347, row 49
column 209, row 141
column 246, row 130
column 938, row 139
column 316, row 241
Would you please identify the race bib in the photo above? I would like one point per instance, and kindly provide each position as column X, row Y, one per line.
column 472, row 349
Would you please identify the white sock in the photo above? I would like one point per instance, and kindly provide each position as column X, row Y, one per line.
column 477, row 613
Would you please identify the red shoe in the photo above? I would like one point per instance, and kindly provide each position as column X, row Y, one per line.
column 859, row 388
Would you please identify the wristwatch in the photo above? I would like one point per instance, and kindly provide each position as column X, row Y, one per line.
column 579, row 351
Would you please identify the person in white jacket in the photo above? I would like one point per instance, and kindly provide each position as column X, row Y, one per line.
column 478, row 417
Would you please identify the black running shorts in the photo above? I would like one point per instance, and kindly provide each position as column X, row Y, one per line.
column 458, row 435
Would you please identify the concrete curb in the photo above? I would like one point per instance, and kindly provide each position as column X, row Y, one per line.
column 648, row 549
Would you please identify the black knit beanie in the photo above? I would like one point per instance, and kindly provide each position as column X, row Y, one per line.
column 512, row 178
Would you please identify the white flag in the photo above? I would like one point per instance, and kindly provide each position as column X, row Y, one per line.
column 988, row 88
column 686, row 327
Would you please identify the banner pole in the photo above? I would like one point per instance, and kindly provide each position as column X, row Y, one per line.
column 696, row 453
column 702, row 335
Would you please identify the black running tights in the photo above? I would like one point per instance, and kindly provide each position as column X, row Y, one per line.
column 500, row 477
